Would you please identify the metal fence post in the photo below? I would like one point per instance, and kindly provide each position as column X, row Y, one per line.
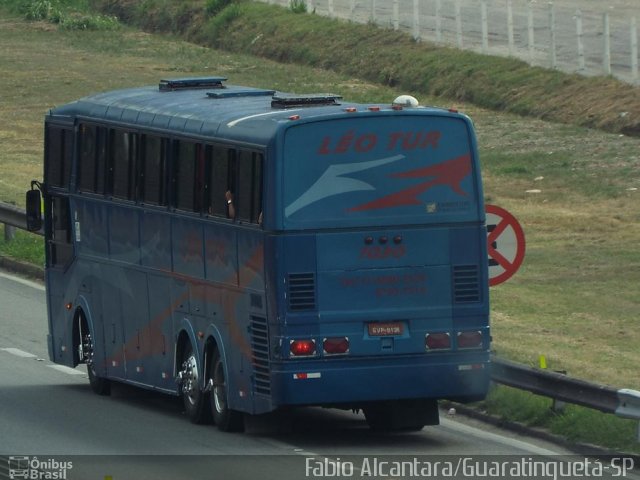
column 396, row 15
column 606, row 33
column 530, row 30
column 485, row 26
column 416, row 19
column 552, row 36
column 634, row 59
column 459, row 25
column 581, row 63
column 439, row 21
column 510, row 27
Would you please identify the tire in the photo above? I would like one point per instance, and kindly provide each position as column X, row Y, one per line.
column 196, row 402
column 99, row 385
column 226, row 419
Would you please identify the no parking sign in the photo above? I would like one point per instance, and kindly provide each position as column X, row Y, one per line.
column 505, row 244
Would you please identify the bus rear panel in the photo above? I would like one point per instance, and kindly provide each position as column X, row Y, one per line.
column 381, row 272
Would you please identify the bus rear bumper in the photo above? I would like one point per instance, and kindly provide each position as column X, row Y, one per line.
column 352, row 382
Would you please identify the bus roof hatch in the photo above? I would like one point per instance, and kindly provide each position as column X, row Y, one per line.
column 283, row 100
column 191, row 82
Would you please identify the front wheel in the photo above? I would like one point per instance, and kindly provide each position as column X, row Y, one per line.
column 226, row 419
column 99, row 385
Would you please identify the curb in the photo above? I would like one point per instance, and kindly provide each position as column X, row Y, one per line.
column 21, row 268
column 584, row 449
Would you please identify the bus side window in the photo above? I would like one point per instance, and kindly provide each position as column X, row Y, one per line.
column 218, row 180
column 92, row 159
column 59, row 154
column 153, row 173
column 102, row 140
column 61, row 249
column 87, row 160
column 249, row 186
column 123, row 164
column 184, row 176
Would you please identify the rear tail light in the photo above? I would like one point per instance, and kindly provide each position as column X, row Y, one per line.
column 302, row 348
column 471, row 339
column 437, row 341
column 335, row 346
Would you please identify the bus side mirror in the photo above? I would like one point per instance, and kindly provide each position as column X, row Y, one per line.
column 34, row 218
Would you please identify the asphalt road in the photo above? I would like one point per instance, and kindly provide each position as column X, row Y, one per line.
column 49, row 412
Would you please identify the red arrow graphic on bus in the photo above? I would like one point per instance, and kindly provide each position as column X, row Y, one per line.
column 450, row 173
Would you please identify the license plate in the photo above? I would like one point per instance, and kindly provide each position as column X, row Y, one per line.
column 386, row 329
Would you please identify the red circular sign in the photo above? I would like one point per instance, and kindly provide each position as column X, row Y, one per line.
column 505, row 244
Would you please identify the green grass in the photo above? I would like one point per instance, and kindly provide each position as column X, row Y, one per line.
column 574, row 300
column 24, row 246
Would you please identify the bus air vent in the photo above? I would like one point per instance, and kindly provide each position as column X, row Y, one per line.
column 283, row 100
column 260, row 355
column 245, row 92
column 302, row 291
column 466, row 284
column 189, row 83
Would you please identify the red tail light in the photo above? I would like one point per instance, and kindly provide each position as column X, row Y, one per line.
column 437, row 341
column 470, row 339
column 336, row 346
column 302, row 348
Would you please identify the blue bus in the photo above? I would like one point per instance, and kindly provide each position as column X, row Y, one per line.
column 251, row 250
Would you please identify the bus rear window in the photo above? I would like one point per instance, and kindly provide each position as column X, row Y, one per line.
column 409, row 169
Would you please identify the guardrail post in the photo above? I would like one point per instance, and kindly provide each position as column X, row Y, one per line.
column 9, row 232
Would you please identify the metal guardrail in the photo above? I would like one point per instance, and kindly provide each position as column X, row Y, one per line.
column 624, row 403
column 14, row 217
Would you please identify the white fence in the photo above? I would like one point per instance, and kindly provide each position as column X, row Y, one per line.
column 597, row 40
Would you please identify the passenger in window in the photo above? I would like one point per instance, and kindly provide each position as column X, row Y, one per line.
column 231, row 209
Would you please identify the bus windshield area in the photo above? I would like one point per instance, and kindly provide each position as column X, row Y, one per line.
column 379, row 171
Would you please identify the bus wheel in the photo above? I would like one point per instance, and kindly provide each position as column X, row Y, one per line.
column 195, row 400
column 226, row 419
column 100, row 385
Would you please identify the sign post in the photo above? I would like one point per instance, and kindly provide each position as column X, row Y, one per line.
column 505, row 244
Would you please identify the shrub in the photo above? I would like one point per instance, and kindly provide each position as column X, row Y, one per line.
column 298, row 6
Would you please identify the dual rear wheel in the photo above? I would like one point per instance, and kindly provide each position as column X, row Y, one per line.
column 208, row 404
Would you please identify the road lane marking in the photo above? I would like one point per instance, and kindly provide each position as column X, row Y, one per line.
column 22, row 281
column 18, row 353
column 67, row 370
